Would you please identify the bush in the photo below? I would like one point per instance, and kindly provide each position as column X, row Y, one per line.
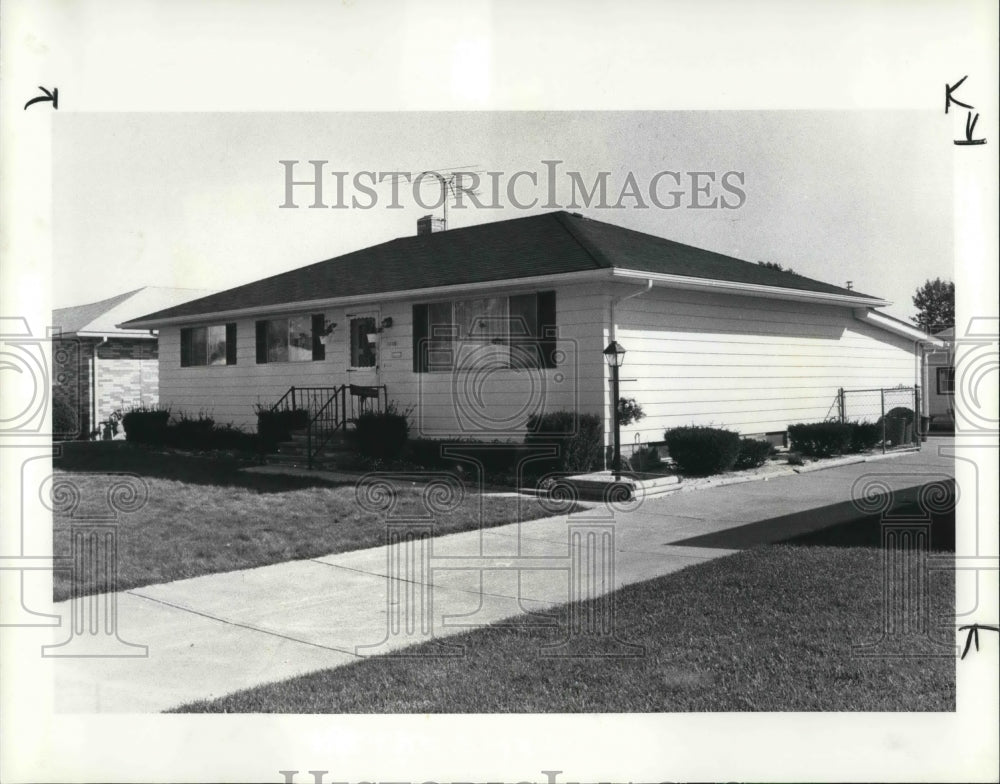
column 382, row 434
column 580, row 438
column 820, row 439
column 146, row 425
column 702, row 451
column 273, row 427
column 753, row 453
column 864, row 435
column 63, row 417
column 191, row 433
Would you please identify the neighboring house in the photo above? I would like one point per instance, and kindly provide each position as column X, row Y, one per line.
column 940, row 381
column 475, row 329
column 98, row 367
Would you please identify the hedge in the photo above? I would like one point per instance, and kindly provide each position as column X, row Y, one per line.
column 864, row 435
column 381, row 434
column 146, row 425
column 702, row 451
column 820, row 439
column 579, row 438
column 273, row 427
column 753, row 453
column 153, row 427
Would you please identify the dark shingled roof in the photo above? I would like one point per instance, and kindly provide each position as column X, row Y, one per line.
column 547, row 244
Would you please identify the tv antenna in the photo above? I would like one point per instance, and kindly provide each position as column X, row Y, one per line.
column 447, row 179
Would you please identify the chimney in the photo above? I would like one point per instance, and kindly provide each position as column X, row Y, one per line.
column 429, row 224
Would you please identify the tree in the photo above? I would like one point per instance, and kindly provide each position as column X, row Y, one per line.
column 935, row 304
column 776, row 266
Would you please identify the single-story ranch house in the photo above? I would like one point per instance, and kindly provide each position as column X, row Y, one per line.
column 475, row 329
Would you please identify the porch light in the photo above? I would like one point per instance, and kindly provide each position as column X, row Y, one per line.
column 614, row 354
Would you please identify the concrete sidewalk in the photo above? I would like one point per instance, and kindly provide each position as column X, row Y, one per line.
column 212, row 635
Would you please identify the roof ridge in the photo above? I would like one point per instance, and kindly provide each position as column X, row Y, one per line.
column 564, row 219
column 117, row 299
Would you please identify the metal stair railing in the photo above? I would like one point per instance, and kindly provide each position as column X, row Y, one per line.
column 328, row 419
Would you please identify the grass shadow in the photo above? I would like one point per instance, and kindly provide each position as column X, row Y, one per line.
column 867, row 531
column 219, row 470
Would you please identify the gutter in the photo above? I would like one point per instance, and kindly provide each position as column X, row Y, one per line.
column 749, row 289
column 889, row 324
column 357, row 299
column 649, row 278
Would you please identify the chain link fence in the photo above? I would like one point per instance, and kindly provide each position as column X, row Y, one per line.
column 896, row 410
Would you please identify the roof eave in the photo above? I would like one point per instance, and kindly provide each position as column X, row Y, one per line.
column 890, row 324
column 750, row 289
column 327, row 302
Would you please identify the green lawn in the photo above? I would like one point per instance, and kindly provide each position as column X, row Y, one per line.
column 205, row 515
column 767, row 629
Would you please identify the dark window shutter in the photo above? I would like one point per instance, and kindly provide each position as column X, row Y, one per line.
column 420, row 338
column 547, row 328
column 186, row 347
column 523, row 341
column 261, row 342
column 318, row 328
column 231, row 344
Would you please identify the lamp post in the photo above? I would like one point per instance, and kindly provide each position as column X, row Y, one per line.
column 614, row 355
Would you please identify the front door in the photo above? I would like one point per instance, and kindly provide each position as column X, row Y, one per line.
column 362, row 353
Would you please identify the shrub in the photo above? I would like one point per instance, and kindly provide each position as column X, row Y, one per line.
column 753, row 453
column 273, row 427
column 645, row 458
column 382, row 434
column 145, row 425
column 702, row 451
column 63, row 417
column 579, row 437
column 864, row 435
column 820, row 439
column 191, row 433
column 629, row 411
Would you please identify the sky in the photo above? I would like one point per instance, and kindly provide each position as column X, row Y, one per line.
column 193, row 199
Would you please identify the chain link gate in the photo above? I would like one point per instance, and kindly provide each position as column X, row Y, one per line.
column 896, row 410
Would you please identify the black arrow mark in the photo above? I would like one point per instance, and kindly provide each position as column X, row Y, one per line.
column 49, row 96
column 949, row 99
column 974, row 634
column 970, row 127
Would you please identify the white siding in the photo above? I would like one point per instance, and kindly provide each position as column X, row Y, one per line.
column 748, row 364
column 483, row 402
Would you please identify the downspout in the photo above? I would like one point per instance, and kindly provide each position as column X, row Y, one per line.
column 97, row 386
column 615, row 301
